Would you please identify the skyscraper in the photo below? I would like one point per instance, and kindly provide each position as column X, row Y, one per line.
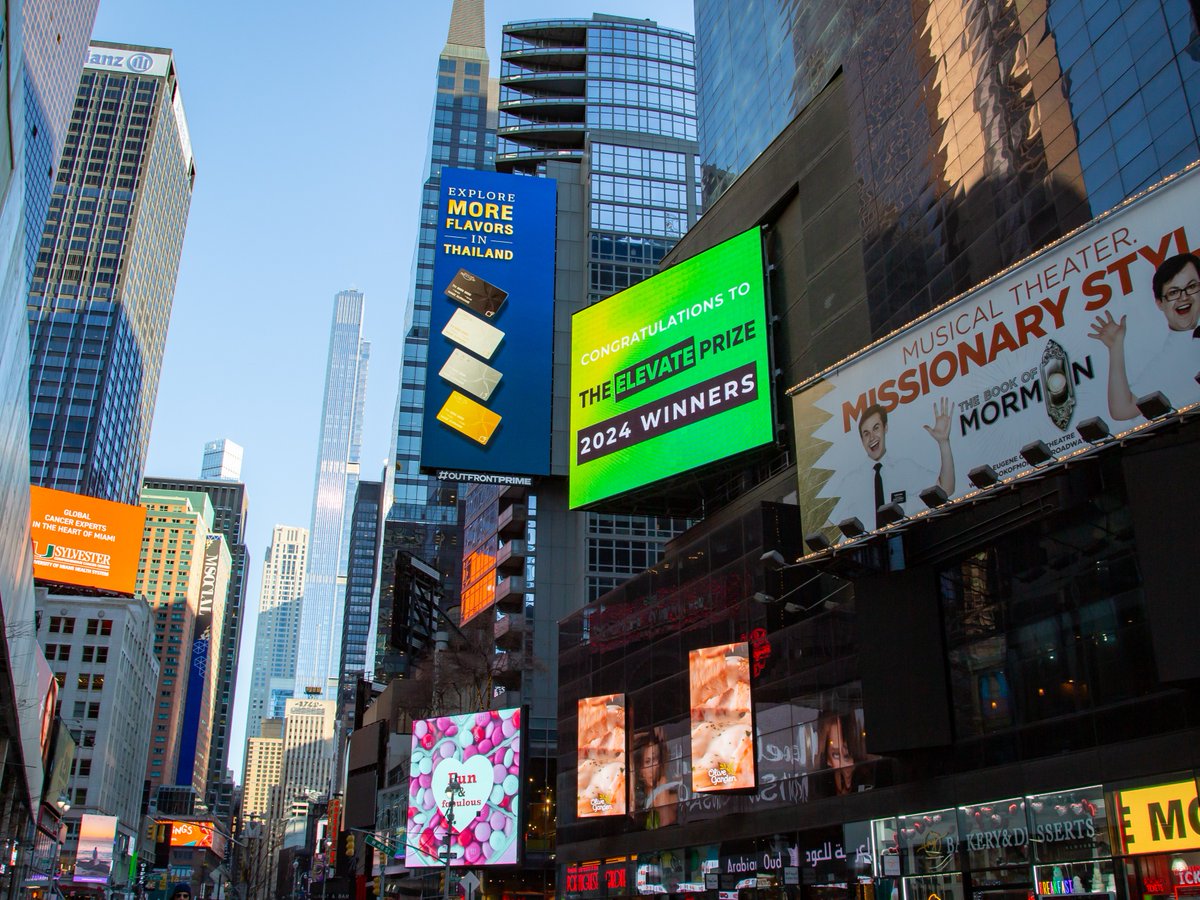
column 46, row 40
column 309, row 745
column 104, row 280
column 366, row 527
column 222, row 460
column 55, row 36
column 606, row 107
column 230, row 512
column 171, row 578
column 338, row 448
column 424, row 514
column 274, row 672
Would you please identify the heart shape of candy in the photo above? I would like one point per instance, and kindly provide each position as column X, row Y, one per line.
column 475, row 777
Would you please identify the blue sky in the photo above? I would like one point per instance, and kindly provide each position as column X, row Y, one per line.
column 309, row 123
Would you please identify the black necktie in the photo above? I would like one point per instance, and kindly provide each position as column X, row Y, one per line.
column 878, row 493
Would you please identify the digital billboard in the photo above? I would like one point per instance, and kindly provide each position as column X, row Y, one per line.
column 670, row 374
column 85, row 541
column 191, row 834
column 721, row 717
column 1084, row 329
column 482, row 752
column 602, row 771
column 94, row 852
column 487, row 397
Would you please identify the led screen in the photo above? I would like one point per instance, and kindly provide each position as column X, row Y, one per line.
column 487, row 396
column 1082, row 330
column 721, row 718
column 84, row 541
column 191, row 834
column 94, row 853
column 482, row 752
column 670, row 374
column 602, row 767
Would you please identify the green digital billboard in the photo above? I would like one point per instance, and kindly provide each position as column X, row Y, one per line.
column 671, row 374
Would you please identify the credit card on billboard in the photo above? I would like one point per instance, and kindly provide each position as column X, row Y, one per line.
column 473, row 333
column 475, row 377
column 476, row 294
column 468, row 418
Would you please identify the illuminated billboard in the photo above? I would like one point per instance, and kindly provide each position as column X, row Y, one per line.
column 482, row 753
column 721, row 718
column 487, row 397
column 191, row 834
column 602, row 770
column 1083, row 329
column 94, row 852
column 85, row 541
column 671, row 374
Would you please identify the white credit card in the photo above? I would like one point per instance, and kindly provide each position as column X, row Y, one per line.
column 473, row 333
column 475, row 377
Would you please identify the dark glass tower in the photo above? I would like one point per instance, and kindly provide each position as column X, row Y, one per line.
column 365, row 537
column 102, row 288
column 979, row 131
column 424, row 516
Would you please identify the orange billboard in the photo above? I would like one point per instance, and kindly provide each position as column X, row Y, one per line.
column 722, row 718
column 85, row 541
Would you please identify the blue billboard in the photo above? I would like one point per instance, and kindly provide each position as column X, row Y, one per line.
column 488, row 383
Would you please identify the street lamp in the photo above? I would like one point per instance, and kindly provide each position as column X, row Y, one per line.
column 453, row 790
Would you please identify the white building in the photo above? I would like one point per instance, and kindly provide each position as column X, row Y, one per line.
column 309, row 750
column 222, row 460
column 101, row 650
column 264, row 768
column 278, row 635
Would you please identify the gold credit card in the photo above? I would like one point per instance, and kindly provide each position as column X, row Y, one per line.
column 473, row 333
column 476, row 294
column 475, row 377
column 469, row 418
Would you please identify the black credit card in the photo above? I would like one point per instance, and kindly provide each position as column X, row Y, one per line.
column 475, row 294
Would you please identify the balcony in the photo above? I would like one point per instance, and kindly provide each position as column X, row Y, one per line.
column 510, row 560
column 511, row 522
column 510, row 632
column 507, row 669
column 510, row 595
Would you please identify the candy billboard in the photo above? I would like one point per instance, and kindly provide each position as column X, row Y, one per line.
column 602, row 770
column 670, row 374
column 721, row 718
column 482, row 754
column 1086, row 329
column 85, row 541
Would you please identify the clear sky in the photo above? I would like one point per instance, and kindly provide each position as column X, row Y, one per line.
column 309, row 122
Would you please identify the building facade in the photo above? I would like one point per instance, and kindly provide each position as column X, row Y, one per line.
column 278, row 631
column 102, row 652
column 361, row 592
column 309, row 752
column 55, row 38
column 264, row 769
column 338, row 448
column 991, row 701
column 230, row 511
column 170, row 577
column 104, row 278
column 424, row 517
column 44, row 54
column 222, row 460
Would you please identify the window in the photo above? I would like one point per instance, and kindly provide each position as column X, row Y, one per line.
column 93, row 710
column 62, row 625
column 58, row 651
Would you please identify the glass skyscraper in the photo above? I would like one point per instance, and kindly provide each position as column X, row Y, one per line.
column 424, row 516
column 979, row 131
column 338, row 450
column 365, row 533
column 278, row 632
column 104, row 280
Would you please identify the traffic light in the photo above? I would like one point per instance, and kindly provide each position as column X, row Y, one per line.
column 349, row 843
